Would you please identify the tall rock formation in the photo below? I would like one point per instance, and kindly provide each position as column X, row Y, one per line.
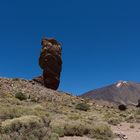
column 50, row 62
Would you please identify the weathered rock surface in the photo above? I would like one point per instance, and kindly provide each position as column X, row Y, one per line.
column 39, row 79
column 51, row 62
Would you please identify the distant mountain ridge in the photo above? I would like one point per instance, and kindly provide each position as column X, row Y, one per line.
column 122, row 92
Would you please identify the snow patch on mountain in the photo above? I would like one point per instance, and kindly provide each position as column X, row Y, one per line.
column 121, row 83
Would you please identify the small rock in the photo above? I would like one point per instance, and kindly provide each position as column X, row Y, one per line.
column 121, row 135
column 125, row 137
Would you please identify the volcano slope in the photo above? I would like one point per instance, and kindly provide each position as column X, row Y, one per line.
column 122, row 92
column 29, row 111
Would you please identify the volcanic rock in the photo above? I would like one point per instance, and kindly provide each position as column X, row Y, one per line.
column 51, row 62
column 39, row 79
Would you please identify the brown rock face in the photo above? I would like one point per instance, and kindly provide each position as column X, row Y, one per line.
column 39, row 79
column 51, row 62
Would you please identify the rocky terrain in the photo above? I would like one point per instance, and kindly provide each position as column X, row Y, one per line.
column 29, row 111
column 122, row 92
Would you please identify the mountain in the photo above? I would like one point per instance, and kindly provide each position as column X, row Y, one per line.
column 122, row 92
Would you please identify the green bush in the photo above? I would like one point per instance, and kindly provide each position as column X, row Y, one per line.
column 82, row 107
column 74, row 117
column 76, row 130
column 112, row 118
column 58, row 130
column 101, row 132
column 138, row 112
column 12, row 111
column 21, row 96
column 26, row 127
column 132, row 126
column 114, row 121
column 54, row 136
column 130, row 118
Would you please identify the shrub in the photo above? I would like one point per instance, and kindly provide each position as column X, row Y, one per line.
column 54, row 136
column 58, row 130
column 132, row 126
column 20, row 96
column 76, row 130
column 5, row 137
column 137, row 118
column 138, row 112
column 102, row 132
column 26, row 127
column 112, row 118
column 122, row 107
column 130, row 118
column 74, row 117
column 82, row 107
column 114, row 121
column 12, row 111
column 17, row 123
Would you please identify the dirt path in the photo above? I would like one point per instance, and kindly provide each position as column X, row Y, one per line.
column 127, row 132
column 75, row 138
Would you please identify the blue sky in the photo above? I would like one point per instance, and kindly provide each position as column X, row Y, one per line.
column 100, row 40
